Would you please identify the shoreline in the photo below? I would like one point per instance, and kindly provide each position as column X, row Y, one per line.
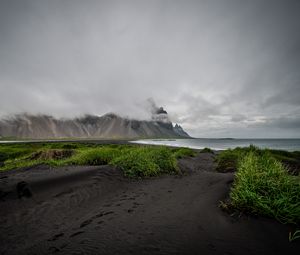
column 216, row 144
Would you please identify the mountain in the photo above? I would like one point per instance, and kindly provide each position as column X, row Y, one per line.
column 179, row 130
column 90, row 126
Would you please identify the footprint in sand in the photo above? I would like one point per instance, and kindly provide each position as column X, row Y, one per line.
column 102, row 214
column 76, row 233
column 55, row 237
column 85, row 223
column 89, row 221
column 53, row 249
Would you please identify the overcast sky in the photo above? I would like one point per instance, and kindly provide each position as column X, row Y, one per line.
column 226, row 68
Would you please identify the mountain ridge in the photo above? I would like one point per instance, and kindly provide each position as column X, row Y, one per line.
column 109, row 125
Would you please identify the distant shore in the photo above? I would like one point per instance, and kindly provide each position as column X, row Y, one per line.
column 193, row 143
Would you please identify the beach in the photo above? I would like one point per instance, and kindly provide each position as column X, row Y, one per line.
column 96, row 210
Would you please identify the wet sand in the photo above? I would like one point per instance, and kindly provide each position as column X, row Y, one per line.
column 95, row 210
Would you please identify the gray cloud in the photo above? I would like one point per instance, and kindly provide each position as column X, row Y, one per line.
column 287, row 122
column 238, row 118
column 219, row 67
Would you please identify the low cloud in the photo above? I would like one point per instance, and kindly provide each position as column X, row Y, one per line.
column 292, row 123
column 219, row 68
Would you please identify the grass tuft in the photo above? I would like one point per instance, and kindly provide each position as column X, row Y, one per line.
column 207, row 150
column 263, row 186
column 227, row 160
column 93, row 156
column 147, row 162
column 184, row 152
column 294, row 236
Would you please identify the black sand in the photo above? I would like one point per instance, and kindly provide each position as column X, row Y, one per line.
column 95, row 210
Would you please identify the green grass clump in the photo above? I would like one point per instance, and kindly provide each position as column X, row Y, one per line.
column 227, row 160
column 53, row 157
column 93, row 156
column 14, row 151
column 285, row 155
column 290, row 159
column 263, row 186
column 134, row 160
column 136, row 164
column 146, row 162
column 207, row 150
column 184, row 152
column 19, row 163
column 164, row 158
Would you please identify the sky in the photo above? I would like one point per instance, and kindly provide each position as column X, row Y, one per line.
column 221, row 68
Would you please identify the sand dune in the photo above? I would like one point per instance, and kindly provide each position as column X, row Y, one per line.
column 95, row 210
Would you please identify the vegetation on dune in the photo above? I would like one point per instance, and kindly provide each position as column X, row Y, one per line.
column 291, row 160
column 207, row 150
column 183, row 152
column 263, row 186
column 51, row 154
column 134, row 160
column 93, row 156
column 227, row 160
column 11, row 152
column 136, row 163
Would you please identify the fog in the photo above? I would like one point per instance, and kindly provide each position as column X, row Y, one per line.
column 226, row 68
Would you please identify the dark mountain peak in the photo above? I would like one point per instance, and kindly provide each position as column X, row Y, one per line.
column 161, row 110
column 111, row 115
column 179, row 130
column 88, row 119
column 160, row 115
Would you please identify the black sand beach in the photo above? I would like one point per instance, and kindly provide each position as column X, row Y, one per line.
column 95, row 210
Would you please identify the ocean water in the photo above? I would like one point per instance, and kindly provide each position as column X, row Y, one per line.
column 222, row 144
column 200, row 143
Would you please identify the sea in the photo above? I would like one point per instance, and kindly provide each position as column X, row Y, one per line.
column 226, row 143
column 200, row 143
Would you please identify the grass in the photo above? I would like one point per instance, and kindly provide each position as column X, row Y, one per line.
column 133, row 160
column 207, row 150
column 142, row 162
column 294, row 236
column 227, row 160
column 11, row 152
column 93, row 156
column 263, row 186
column 183, row 152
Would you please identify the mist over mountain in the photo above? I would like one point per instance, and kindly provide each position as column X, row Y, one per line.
column 90, row 126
